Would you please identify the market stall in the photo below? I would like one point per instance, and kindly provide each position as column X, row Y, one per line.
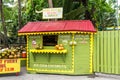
column 62, row 47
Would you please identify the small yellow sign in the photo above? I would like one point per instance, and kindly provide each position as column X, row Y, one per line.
column 9, row 65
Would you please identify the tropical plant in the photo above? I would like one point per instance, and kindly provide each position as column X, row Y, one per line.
column 99, row 12
column 5, row 38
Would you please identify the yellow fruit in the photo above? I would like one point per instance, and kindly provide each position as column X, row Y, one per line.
column 18, row 55
column 57, row 46
column 62, row 48
column 15, row 56
column 61, row 45
column 10, row 56
column 12, row 52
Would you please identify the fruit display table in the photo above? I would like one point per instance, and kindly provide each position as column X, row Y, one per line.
column 11, row 59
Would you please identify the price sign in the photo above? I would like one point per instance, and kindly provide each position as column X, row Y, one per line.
column 9, row 65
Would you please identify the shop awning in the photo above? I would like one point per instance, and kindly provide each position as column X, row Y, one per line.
column 58, row 26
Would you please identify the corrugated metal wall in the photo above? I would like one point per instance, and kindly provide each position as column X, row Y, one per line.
column 107, row 52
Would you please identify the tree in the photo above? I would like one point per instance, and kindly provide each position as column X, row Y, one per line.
column 19, row 19
column 32, row 6
column 50, row 3
column 98, row 11
column 3, row 24
column 19, row 14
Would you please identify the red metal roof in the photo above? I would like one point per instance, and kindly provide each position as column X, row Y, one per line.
column 55, row 26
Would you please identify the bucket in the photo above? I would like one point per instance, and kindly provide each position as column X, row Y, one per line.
column 24, row 54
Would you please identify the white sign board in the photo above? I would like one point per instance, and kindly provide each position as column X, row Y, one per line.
column 52, row 13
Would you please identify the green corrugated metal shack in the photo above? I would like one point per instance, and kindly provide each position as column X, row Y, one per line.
column 59, row 47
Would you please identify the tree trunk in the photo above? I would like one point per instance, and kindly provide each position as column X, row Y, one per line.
column 19, row 20
column 50, row 3
column 19, row 14
column 88, row 14
column 3, row 24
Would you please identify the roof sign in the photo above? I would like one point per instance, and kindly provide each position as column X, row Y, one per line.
column 52, row 13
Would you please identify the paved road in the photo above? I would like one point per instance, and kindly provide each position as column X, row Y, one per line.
column 24, row 76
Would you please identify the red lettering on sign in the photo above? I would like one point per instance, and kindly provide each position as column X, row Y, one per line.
column 6, row 69
column 0, row 61
column 2, row 65
column 1, row 69
column 9, row 69
column 10, row 61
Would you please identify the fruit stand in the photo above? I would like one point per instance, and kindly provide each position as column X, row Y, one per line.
column 59, row 47
column 10, row 60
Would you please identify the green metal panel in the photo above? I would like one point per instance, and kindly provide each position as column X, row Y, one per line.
column 95, row 53
column 31, row 56
column 98, row 52
column 107, row 52
column 65, row 40
column 101, row 51
column 119, row 52
column 116, row 52
column 112, row 51
column 82, row 54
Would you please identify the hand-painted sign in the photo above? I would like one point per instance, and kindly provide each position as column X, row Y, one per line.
column 9, row 65
column 52, row 13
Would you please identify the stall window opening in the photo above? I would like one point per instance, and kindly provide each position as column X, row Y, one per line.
column 50, row 40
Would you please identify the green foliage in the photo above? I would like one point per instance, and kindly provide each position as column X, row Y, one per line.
column 75, row 14
column 98, row 11
column 57, row 3
column 32, row 6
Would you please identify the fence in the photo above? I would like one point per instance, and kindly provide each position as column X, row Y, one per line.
column 107, row 52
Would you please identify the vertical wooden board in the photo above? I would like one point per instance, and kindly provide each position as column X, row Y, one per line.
column 109, row 52
column 105, row 52
column 98, row 53
column 102, row 54
column 112, row 51
column 116, row 51
column 82, row 55
column 95, row 53
column 119, row 52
